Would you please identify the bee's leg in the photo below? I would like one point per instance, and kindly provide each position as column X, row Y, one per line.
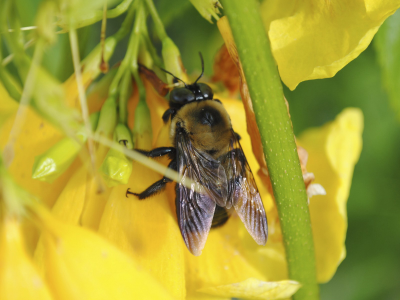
column 158, row 152
column 169, row 112
column 157, row 186
column 238, row 136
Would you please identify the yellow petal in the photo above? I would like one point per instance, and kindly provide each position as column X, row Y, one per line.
column 333, row 151
column 221, row 263
column 37, row 136
column 147, row 230
column 79, row 264
column 268, row 260
column 202, row 296
column 71, row 88
column 315, row 39
column 255, row 289
column 19, row 278
column 80, row 202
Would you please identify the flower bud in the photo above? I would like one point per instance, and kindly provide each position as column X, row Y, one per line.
column 116, row 168
column 55, row 161
column 108, row 117
column 172, row 60
column 124, row 136
column 142, row 130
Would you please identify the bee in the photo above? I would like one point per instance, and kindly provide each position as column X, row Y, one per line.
column 215, row 177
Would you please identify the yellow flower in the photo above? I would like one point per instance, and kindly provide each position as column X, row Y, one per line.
column 151, row 252
column 315, row 39
column 19, row 278
column 333, row 151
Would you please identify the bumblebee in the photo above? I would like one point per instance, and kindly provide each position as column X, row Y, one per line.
column 215, row 177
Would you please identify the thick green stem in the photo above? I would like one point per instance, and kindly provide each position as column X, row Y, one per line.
column 278, row 141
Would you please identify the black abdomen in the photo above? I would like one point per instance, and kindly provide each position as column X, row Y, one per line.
column 221, row 216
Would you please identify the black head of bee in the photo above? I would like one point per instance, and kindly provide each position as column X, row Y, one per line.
column 191, row 92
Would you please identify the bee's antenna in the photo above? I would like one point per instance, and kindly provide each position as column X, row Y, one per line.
column 202, row 68
column 174, row 76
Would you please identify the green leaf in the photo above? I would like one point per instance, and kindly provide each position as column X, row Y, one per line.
column 387, row 45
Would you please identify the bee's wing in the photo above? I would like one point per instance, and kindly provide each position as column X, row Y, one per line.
column 195, row 206
column 243, row 194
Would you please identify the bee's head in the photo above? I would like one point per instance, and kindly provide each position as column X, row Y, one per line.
column 191, row 92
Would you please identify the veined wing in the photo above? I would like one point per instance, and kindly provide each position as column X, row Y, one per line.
column 243, row 194
column 195, row 205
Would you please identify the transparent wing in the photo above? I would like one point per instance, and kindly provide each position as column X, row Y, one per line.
column 243, row 194
column 203, row 184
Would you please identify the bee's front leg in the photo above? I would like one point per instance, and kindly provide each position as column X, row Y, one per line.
column 157, row 186
column 158, row 152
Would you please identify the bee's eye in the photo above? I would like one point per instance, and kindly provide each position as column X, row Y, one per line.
column 206, row 91
column 181, row 95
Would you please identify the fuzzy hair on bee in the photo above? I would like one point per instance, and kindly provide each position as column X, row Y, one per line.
column 215, row 177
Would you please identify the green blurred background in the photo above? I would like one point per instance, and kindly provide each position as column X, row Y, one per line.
column 371, row 269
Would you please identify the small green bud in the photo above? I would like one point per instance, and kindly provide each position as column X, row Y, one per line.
column 142, row 130
column 172, row 60
column 55, row 161
column 91, row 64
column 116, row 168
column 94, row 119
column 97, row 91
column 51, row 164
column 124, row 136
column 108, row 117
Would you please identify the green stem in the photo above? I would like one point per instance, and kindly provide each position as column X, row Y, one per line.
column 127, row 24
column 82, row 95
column 278, row 142
column 126, row 91
column 10, row 84
column 131, row 53
column 152, row 50
column 119, row 9
column 97, row 15
column 24, row 102
column 158, row 24
column 140, row 23
column 14, row 40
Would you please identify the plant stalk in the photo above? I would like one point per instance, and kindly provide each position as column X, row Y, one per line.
column 278, row 142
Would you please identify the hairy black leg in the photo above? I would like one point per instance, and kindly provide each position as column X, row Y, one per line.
column 156, row 187
column 170, row 151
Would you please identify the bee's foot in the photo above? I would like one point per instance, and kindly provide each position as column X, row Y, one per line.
column 130, row 193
